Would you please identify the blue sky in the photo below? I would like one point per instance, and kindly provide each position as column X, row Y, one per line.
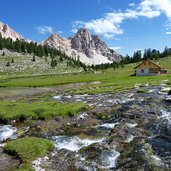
column 125, row 25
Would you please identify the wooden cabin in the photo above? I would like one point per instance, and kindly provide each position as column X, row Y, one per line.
column 148, row 67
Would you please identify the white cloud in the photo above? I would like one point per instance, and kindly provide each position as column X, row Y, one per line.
column 116, row 48
column 132, row 4
column 139, row 49
column 168, row 26
column 45, row 29
column 168, row 33
column 164, row 6
column 110, row 24
column 117, row 39
column 60, row 31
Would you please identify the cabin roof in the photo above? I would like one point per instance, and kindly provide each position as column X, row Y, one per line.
column 148, row 61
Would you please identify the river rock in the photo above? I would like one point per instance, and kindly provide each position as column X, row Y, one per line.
column 7, row 162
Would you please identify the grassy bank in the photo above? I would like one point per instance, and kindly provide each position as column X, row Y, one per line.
column 28, row 149
column 21, row 110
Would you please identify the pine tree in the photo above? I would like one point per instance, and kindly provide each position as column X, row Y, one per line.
column 46, row 59
column 18, row 45
column 53, row 63
column 1, row 42
column 34, row 58
column 12, row 61
column 8, row 64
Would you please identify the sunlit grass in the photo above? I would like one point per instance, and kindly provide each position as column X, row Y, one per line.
column 22, row 110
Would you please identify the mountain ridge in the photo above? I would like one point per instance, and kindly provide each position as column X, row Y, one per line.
column 7, row 32
column 88, row 48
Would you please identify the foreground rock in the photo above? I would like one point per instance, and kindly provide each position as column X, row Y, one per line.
column 7, row 162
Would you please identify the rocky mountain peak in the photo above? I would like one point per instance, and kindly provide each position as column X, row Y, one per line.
column 82, row 42
column 55, row 35
column 89, row 48
column 5, row 28
column 55, row 41
column 89, row 44
column 7, row 32
column 83, row 31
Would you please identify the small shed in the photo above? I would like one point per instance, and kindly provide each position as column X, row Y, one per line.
column 148, row 67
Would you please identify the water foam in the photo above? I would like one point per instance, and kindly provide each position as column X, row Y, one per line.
column 7, row 131
column 73, row 143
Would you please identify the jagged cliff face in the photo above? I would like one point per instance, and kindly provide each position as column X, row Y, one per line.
column 83, row 42
column 90, row 49
column 7, row 32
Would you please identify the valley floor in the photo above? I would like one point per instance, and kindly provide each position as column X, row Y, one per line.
column 106, row 120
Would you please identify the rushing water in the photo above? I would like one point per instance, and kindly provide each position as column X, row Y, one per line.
column 7, row 131
column 146, row 103
column 73, row 143
column 139, row 122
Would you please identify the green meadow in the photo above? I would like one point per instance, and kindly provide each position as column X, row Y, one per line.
column 41, row 107
column 111, row 80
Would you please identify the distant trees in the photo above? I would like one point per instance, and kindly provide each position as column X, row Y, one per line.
column 137, row 56
column 113, row 65
column 148, row 54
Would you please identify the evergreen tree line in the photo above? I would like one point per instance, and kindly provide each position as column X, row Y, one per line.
column 151, row 54
column 40, row 51
column 113, row 65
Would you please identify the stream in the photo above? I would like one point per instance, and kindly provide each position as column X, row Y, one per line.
column 120, row 131
column 24, row 91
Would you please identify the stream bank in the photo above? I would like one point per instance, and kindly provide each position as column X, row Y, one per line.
column 119, row 131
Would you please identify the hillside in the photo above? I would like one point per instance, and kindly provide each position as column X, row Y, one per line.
column 19, row 63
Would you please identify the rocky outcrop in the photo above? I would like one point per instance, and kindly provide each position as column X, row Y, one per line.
column 7, row 32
